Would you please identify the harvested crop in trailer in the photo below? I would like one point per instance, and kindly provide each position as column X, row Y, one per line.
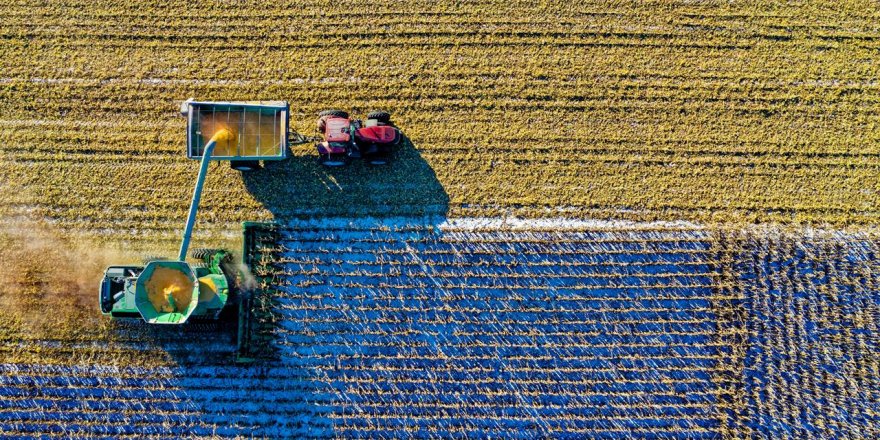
column 251, row 133
column 207, row 289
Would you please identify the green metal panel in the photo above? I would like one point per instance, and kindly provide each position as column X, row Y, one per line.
column 212, row 304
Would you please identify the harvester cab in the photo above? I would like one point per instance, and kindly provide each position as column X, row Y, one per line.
column 372, row 139
column 174, row 291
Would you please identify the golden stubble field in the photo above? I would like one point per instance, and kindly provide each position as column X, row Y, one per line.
column 717, row 112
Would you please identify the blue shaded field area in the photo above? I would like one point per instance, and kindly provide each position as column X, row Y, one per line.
column 453, row 332
column 428, row 333
column 511, row 334
column 812, row 365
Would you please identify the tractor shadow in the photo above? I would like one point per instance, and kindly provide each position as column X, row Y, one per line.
column 406, row 190
column 300, row 187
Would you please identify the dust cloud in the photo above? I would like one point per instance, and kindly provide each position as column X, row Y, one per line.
column 48, row 280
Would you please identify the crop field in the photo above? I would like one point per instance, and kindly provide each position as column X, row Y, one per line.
column 472, row 328
column 609, row 219
column 813, row 308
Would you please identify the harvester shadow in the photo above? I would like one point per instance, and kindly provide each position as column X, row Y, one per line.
column 195, row 342
column 299, row 191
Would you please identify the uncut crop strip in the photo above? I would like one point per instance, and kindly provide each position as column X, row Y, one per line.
column 626, row 110
column 811, row 369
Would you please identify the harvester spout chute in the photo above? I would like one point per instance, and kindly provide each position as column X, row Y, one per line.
column 221, row 135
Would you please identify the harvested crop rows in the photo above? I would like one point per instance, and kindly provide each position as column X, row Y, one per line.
column 472, row 327
column 641, row 110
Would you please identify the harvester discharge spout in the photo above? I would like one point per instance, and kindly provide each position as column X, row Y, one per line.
column 221, row 135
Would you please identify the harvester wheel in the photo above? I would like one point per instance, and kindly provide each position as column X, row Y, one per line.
column 202, row 253
column 338, row 113
column 383, row 117
column 199, row 252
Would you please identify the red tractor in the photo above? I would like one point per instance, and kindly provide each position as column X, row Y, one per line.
column 373, row 139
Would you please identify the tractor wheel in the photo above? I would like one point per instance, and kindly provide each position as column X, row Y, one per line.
column 338, row 113
column 244, row 165
column 333, row 160
column 383, row 117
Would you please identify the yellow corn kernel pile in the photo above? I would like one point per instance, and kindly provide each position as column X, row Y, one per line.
column 169, row 290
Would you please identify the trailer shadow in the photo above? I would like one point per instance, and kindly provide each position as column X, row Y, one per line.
column 300, row 187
